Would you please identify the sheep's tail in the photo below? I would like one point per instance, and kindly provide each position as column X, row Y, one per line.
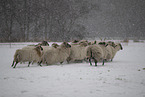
column 90, row 58
column 16, row 59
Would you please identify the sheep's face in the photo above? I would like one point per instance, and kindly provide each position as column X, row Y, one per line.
column 103, row 43
column 111, row 43
column 75, row 41
column 83, row 43
column 55, row 45
column 66, row 45
column 39, row 50
column 120, row 46
column 39, row 47
column 44, row 43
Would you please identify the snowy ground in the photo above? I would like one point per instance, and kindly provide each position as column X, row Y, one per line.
column 124, row 77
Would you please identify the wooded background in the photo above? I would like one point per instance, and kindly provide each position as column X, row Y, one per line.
column 66, row 20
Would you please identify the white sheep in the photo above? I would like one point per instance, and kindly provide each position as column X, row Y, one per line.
column 55, row 55
column 96, row 53
column 115, row 49
column 77, row 52
column 27, row 55
column 104, row 47
column 109, row 52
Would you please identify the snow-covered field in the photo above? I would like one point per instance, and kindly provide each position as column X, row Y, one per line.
column 124, row 77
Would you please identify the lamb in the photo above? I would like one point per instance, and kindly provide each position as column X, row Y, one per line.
column 27, row 55
column 55, row 55
column 96, row 53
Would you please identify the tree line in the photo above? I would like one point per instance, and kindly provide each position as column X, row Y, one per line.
column 36, row 20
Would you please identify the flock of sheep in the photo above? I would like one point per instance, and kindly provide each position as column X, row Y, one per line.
column 70, row 52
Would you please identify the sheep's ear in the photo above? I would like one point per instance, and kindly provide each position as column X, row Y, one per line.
column 41, row 48
column 102, row 43
column 115, row 46
column 64, row 42
column 106, row 45
column 95, row 42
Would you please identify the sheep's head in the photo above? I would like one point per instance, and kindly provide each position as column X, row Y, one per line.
column 75, row 41
column 95, row 42
column 39, row 49
column 111, row 43
column 44, row 43
column 119, row 46
column 83, row 43
column 103, row 43
column 66, row 45
column 55, row 45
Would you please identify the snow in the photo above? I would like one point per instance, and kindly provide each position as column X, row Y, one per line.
column 124, row 77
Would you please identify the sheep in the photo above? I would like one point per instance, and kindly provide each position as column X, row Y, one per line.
column 27, row 55
column 116, row 48
column 96, row 53
column 77, row 52
column 55, row 55
column 104, row 45
column 109, row 52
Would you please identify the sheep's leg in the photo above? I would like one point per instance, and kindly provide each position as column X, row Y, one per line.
column 90, row 61
column 61, row 62
column 68, row 60
column 29, row 64
column 95, row 62
column 39, row 63
column 15, row 65
column 103, row 62
column 12, row 64
column 111, row 60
